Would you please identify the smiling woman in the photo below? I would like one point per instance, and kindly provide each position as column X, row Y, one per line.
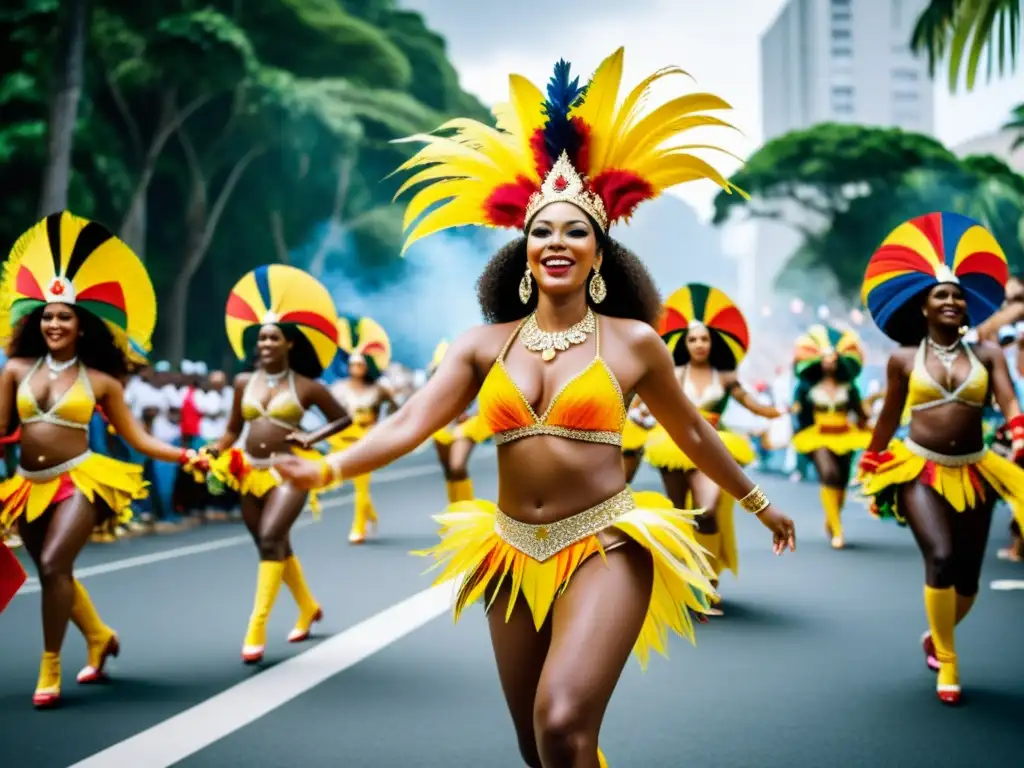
column 73, row 299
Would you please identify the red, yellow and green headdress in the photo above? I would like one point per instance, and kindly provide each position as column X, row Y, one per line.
column 924, row 252
column 821, row 340
column 364, row 337
column 65, row 259
column 698, row 304
column 579, row 144
column 281, row 295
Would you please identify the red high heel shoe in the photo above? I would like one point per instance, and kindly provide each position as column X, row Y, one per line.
column 948, row 694
column 297, row 635
column 45, row 699
column 253, row 654
column 91, row 674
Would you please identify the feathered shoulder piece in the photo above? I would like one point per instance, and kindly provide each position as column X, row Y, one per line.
column 575, row 143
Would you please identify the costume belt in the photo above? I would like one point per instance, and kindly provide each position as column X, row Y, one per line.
column 255, row 463
column 942, row 459
column 43, row 475
column 542, row 541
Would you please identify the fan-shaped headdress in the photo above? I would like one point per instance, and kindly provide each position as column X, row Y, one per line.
column 694, row 304
column 821, row 340
column 364, row 337
column 281, row 295
column 578, row 145
column 65, row 259
column 924, row 252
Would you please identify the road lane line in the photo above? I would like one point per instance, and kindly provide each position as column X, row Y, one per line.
column 31, row 585
column 188, row 732
column 1006, row 585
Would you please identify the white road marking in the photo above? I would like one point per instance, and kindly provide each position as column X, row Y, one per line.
column 31, row 585
column 188, row 732
column 1006, row 585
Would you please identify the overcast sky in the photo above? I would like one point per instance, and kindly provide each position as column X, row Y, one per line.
column 716, row 41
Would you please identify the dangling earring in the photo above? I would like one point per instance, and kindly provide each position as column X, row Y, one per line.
column 526, row 287
column 598, row 289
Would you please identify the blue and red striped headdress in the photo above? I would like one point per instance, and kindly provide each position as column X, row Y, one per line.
column 924, row 252
column 577, row 145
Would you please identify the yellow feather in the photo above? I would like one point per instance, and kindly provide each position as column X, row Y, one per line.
column 435, row 193
column 640, row 154
column 457, row 213
column 659, row 125
column 598, row 109
column 528, row 102
column 631, row 108
column 500, row 147
column 440, row 149
column 669, row 170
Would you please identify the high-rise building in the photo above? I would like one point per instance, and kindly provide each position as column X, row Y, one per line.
column 846, row 61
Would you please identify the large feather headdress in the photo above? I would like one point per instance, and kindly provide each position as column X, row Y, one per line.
column 364, row 337
column 699, row 304
column 820, row 341
column 578, row 145
column 66, row 259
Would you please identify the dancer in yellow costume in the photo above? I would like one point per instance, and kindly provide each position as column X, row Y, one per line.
column 826, row 363
column 932, row 277
column 455, row 442
column 368, row 352
column 288, row 318
column 72, row 295
column 575, row 569
column 639, row 424
column 708, row 338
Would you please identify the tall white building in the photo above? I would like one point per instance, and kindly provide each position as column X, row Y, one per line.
column 845, row 61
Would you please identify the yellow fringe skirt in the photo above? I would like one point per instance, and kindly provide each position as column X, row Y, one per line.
column 661, row 452
column 963, row 481
column 634, row 437
column 116, row 483
column 249, row 476
column 834, row 433
column 485, row 549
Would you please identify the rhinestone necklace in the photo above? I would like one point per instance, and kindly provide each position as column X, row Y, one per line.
column 548, row 344
column 57, row 368
column 946, row 355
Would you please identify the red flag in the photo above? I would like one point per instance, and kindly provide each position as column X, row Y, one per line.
column 12, row 576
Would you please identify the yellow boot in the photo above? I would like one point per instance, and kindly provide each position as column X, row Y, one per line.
column 832, row 503
column 365, row 514
column 712, row 542
column 940, row 605
column 101, row 641
column 47, row 693
column 309, row 609
column 268, row 583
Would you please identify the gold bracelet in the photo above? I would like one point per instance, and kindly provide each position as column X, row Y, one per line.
column 755, row 502
column 329, row 474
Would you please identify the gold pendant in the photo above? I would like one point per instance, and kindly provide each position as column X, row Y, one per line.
column 547, row 355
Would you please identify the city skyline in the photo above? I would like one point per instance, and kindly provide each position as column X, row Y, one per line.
column 718, row 45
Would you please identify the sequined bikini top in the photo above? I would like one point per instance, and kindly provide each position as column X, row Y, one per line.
column 72, row 409
column 588, row 407
column 924, row 391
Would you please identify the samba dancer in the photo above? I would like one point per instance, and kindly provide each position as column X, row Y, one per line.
column 826, row 364
column 931, row 277
column 568, row 545
column 368, row 352
column 71, row 298
column 708, row 337
column 288, row 318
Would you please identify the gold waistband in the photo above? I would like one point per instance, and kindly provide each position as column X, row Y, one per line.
column 585, row 435
column 42, row 475
column 942, row 459
column 542, row 541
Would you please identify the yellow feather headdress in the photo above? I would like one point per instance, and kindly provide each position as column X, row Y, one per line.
column 577, row 144
column 65, row 259
column 364, row 336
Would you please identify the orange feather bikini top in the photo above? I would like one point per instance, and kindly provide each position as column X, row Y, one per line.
column 588, row 407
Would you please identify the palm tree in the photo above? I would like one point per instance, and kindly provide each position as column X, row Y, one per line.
column 1016, row 123
column 963, row 30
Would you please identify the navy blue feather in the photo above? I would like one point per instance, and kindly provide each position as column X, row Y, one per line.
column 560, row 135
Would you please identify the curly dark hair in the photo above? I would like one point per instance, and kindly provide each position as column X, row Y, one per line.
column 302, row 359
column 908, row 325
column 96, row 349
column 631, row 290
column 721, row 356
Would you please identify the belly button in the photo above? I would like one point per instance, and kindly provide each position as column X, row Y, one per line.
column 42, row 458
column 952, row 443
column 263, row 445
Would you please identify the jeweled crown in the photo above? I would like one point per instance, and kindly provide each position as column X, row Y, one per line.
column 564, row 184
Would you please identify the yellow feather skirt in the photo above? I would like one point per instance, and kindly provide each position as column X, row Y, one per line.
column 963, row 486
column 661, row 452
column 634, row 437
column 116, row 483
column 234, row 469
column 834, row 433
column 471, row 551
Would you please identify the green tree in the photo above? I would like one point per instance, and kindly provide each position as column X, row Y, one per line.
column 1016, row 124
column 963, row 30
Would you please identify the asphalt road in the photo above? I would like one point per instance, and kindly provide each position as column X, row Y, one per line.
column 816, row 663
